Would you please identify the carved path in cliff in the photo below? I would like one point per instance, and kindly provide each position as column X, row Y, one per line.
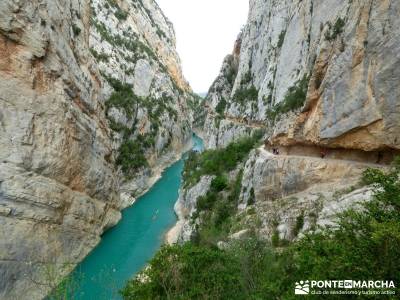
column 269, row 154
column 238, row 121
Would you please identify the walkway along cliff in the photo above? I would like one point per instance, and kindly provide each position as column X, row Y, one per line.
column 320, row 79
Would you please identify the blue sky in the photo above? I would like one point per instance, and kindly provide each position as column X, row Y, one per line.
column 206, row 31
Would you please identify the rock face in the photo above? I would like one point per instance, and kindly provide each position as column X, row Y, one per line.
column 134, row 45
column 184, row 209
column 293, row 194
column 345, row 55
column 70, row 69
column 317, row 76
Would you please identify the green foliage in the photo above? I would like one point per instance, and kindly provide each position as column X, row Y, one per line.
column 336, row 30
column 219, row 183
column 121, row 15
column 217, row 162
column 299, row 224
column 76, row 29
column 118, row 12
column 122, row 97
column 220, row 108
column 236, row 187
column 129, row 42
column 131, row 153
column 161, row 34
column 188, row 272
column 206, row 202
column 281, row 38
column 246, row 78
column 252, row 197
column 196, row 104
column 294, row 99
column 275, row 239
column 99, row 56
column 217, row 211
column 364, row 245
column 231, row 76
column 248, row 94
column 131, row 156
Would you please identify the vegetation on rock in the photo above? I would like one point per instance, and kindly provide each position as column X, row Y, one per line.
column 294, row 99
column 217, row 162
column 336, row 30
column 365, row 244
column 246, row 95
column 281, row 38
column 221, row 106
column 122, row 97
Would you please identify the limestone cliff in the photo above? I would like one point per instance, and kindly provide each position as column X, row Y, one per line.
column 340, row 54
column 149, row 101
column 320, row 77
column 86, row 88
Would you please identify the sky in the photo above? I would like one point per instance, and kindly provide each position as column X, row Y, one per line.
column 206, row 31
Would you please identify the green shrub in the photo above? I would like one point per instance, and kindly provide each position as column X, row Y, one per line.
column 220, row 108
column 252, row 197
column 365, row 245
column 131, row 153
column 206, row 202
column 248, row 94
column 121, row 15
column 131, row 157
column 246, row 78
column 298, row 225
column 281, row 38
column 217, row 162
column 130, row 42
column 161, row 34
column 219, row 183
column 123, row 97
column 76, row 29
column 99, row 56
column 336, row 30
column 231, row 76
column 275, row 240
column 188, row 272
column 294, row 99
column 236, row 188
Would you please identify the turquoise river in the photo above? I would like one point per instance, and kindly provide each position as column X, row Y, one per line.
column 125, row 249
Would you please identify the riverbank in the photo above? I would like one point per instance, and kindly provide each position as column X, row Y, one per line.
column 143, row 182
column 173, row 234
column 125, row 249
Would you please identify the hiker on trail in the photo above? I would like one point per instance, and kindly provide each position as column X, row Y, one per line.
column 380, row 156
column 323, row 153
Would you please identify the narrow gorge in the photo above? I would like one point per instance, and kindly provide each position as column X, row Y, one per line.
column 299, row 177
column 93, row 107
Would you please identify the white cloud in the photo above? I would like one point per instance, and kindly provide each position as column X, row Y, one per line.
column 206, row 31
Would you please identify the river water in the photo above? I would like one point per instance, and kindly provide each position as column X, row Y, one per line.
column 125, row 249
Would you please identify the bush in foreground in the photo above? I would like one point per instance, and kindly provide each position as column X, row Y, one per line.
column 365, row 245
column 187, row 272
